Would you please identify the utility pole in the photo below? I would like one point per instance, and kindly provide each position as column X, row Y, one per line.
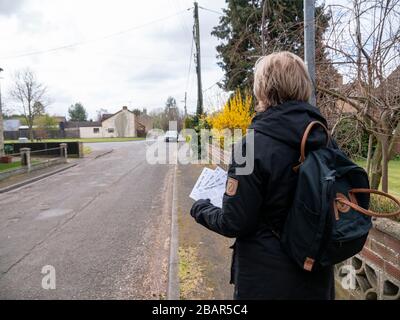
column 1, row 123
column 309, row 43
column 196, row 34
column 185, row 104
column 263, row 38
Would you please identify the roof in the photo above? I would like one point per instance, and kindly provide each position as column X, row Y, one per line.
column 145, row 117
column 90, row 124
column 11, row 125
column 60, row 118
column 82, row 124
column 107, row 116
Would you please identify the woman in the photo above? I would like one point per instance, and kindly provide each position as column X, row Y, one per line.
column 255, row 206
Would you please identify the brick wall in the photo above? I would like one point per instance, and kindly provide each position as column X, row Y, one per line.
column 377, row 267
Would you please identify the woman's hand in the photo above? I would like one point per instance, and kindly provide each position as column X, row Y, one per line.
column 197, row 206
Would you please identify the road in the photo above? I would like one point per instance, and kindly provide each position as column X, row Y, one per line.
column 103, row 225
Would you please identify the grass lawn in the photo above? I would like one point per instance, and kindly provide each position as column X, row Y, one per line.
column 96, row 140
column 8, row 166
column 394, row 176
column 14, row 165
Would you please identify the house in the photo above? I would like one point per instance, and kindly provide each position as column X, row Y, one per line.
column 123, row 124
column 120, row 125
column 82, row 129
column 146, row 121
column 388, row 91
column 11, row 129
column 11, row 125
column 60, row 120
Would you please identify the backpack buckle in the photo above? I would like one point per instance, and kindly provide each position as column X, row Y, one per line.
column 309, row 264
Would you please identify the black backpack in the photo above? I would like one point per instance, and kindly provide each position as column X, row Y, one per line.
column 330, row 219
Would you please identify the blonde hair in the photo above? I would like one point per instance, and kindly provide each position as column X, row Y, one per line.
column 281, row 77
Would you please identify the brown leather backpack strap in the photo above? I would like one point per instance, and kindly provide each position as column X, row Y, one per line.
column 306, row 136
column 304, row 141
column 356, row 207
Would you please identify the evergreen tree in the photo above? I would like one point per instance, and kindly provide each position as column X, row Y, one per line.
column 240, row 31
column 77, row 112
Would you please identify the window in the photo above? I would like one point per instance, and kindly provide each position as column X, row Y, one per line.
column 110, row 130
column 96, row 130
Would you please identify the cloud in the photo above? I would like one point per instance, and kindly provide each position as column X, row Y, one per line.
column 153, row 74
column 8, row 7
column 140, row 68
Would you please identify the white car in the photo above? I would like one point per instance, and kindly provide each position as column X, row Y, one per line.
column 171, row 136
column 23, row 140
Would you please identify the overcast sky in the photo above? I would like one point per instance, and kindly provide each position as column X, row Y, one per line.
column 113, row 52
column 123, row 52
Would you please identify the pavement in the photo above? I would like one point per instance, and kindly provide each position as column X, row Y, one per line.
column 205, row 257
column 103, row 225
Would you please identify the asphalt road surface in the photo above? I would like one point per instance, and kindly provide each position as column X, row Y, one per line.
column 104, row 227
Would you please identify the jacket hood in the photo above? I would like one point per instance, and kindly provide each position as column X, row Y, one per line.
column 287, row 123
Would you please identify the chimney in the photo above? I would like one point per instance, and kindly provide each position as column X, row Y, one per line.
column 125, row 108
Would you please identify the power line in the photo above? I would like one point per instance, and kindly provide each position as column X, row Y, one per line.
column 213, row 11
column 73, row 45
column 183, row 23
column 210, row 87
column 190, row 64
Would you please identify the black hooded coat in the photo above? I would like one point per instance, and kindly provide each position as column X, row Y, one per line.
column 260, row 267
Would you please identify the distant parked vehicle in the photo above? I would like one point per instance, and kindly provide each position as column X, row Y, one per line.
column 172, row 136
column 23, row 140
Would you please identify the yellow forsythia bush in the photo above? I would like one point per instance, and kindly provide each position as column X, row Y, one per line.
column 236, row 113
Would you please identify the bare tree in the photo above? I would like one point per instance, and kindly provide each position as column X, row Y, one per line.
column 30, row 95
column 100, row 113
column 365, row 40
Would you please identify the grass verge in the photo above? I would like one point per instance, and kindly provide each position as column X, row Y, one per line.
column 9, row 166
column 97, row 140
column 13, row 165
column 191, row 275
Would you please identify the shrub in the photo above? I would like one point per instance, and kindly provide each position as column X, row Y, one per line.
column 236, row 114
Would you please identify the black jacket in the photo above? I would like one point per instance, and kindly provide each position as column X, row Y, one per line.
column 260, row 268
